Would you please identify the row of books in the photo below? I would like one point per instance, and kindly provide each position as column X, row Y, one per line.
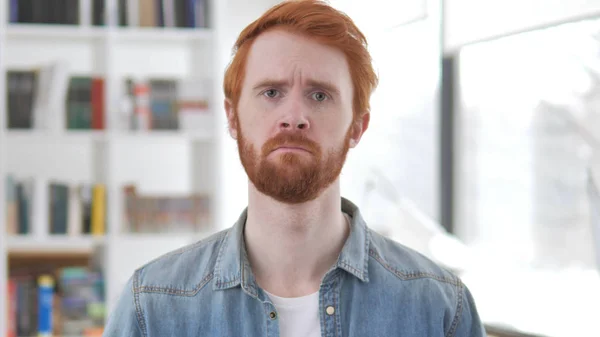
column 163, row 13
column 166, row 213
column 76, row 209
column 143, row 13
column 62, row 301
column 50, row 98
column 32, row 94
column 166, row 104
column 72, row 209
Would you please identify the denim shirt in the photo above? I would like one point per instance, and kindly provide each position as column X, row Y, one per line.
column 378, row 287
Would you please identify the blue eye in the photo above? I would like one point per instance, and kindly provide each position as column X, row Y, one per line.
column 271, row 93
column 319, row 96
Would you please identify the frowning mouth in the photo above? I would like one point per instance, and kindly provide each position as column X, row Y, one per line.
column 291, row 148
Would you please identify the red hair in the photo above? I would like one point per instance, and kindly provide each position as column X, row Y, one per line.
column 318, row 20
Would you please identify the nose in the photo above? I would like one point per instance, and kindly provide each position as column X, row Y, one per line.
column 300, row 124
column 295, row 117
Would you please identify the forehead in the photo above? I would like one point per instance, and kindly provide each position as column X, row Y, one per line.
column 282, row 55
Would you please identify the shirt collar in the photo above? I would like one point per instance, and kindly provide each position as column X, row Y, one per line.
column 232, row 267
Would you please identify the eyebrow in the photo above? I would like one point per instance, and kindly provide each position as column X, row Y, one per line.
column 328, row 86
column 269, row 83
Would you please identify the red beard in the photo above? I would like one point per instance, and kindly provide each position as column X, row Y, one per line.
column 291, row 178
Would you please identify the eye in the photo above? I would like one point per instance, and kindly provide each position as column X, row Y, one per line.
column 319, row 96
column 271, row 93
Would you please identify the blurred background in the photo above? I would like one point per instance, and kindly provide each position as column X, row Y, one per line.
column 482, row 152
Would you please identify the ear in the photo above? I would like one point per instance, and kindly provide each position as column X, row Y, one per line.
column 358, row 129
column 231, row 119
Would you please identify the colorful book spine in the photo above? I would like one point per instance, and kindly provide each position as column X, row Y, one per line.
column 45, row 301
column 143, row 114
column 98, row 210
column 12, row 309
column 97, row 102
column 12, row 211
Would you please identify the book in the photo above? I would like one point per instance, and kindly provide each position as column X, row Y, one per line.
column 98, row 221
column 98, row 12
column 97, row 103
column 79, row 103
column 21, row 91
column 142, row 110
column 45, row 305
column 75, row 209
column 163, row 100
column 11, row 306
column 12, row 211
column 24, row 189
column 59, row 207
column 64, row 12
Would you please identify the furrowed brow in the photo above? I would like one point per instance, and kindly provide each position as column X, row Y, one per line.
column 328, row 86
column 269, row 83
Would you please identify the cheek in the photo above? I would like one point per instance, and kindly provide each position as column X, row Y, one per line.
column 248, row 119
column 334, row 127
column 259, row 122
column 252, row 131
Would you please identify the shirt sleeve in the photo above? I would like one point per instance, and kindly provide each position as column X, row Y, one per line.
column 469, row 322
column 123, row 320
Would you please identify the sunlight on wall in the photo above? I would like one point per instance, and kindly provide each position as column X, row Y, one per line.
column 526, row 162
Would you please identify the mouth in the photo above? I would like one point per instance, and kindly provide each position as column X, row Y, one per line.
column 291, row 148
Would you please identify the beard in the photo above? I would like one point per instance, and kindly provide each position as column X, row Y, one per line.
column 292, row 177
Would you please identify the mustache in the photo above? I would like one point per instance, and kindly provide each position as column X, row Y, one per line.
column 291, row 139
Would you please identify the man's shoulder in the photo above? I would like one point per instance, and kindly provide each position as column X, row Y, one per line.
column 429, row 285
column 183, row 271
column 406, row 263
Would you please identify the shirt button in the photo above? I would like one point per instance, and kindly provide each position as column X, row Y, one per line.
column 273, row 315
column 330, row 310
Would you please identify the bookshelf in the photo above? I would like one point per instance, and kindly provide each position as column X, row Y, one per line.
column 147, row 34
column 21, row 246
column 40, row 31
column 172, row 162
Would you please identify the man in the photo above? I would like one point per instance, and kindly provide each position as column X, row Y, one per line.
column 300, row 261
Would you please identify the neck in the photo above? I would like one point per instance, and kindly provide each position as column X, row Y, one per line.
column 291, row 247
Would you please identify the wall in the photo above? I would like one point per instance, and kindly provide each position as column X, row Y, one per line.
column 522, row 152
column 467, row 21
column 398, row 155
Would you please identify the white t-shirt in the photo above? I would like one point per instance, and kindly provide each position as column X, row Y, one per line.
column 298, row 316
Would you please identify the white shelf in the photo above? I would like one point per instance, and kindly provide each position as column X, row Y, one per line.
column 85, row 244
column 121, row 34
column 82, row 136
column 42, row 136
column 159, row 34
column 157, row 135
column 49, row 31
column 58, row 244
column 188, row 237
